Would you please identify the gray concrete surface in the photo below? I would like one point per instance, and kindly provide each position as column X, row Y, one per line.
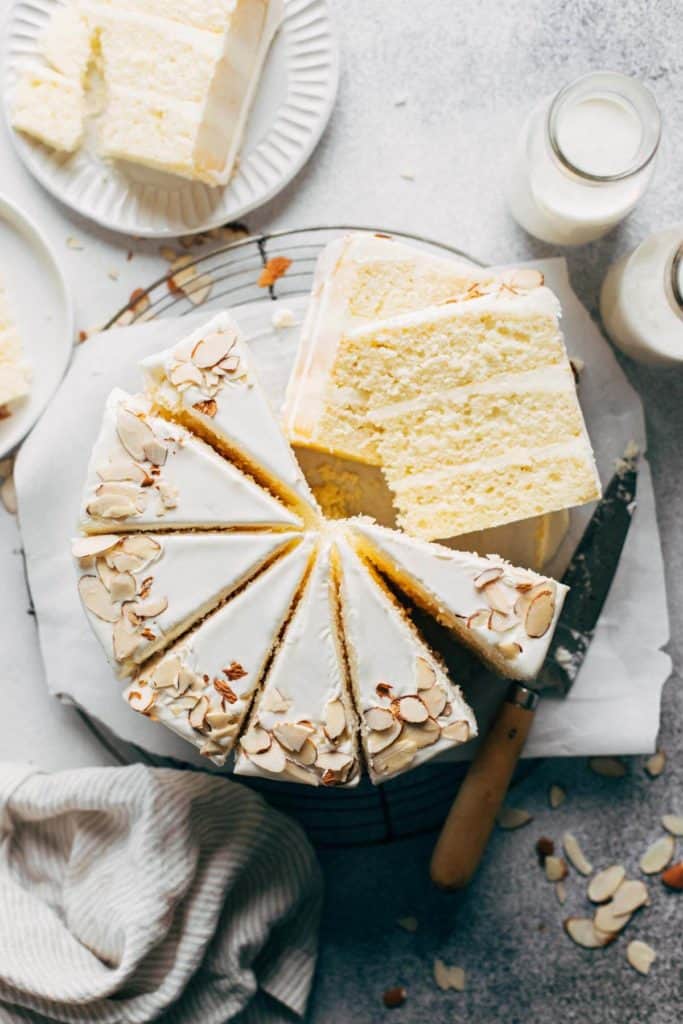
column 468, row 73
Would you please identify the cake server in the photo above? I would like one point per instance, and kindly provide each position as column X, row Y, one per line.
column 468, row 826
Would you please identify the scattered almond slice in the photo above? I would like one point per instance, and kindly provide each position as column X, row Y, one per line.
column 200, row 290
column 449, row 977
column 673, row 823
column 658, row 855
column 655, row 765
column 604, row 885
column 630, row 895
column 409, row 924
column 335, row 719
column 556, row 796
column 575, row 854
column 88, row 547
column 606, row 920
column 96, row 599
column 512, row 817
column 608, row 767
column 555, row 868
column 583, row 932
column 640, row 956
column 673, row 877
column 561, row 892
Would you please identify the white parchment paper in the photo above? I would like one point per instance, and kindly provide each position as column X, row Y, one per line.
column 614, row 705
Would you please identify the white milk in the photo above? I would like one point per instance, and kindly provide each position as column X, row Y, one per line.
column 640, row 301
column 583, row 159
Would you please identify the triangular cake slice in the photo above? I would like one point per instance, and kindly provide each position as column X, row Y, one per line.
column 148, row 474
column 203, row 687
column 142, row 590
column 409, row 709
column 207, row 382
column 504, row 614
column 303, row 727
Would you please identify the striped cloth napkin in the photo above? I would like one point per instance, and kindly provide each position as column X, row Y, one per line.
column 135, row 894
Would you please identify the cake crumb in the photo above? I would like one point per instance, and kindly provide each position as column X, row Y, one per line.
column 283, row 318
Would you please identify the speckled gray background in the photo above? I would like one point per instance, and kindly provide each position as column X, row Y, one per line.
column 468, row 73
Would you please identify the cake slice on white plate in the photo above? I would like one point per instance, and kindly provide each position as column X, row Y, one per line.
column 207, row 382
column 409, row 709
column 146, row 473
column 506, row 615
column 15, row 373
column 142, row 590
column 203, row 686
column 303, row 727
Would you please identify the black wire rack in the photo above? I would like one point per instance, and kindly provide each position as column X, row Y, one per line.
column 418, row 801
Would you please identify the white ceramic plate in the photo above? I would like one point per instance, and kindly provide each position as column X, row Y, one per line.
column 42, row 307
column 292, row 106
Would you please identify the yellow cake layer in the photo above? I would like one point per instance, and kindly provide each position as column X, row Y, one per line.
column 448, row 503
column 385, row 288
column 346, row 430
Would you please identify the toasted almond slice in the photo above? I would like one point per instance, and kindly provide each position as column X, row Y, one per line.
column 166, row 673
column 198, row 713
column 335, row 719
column 500, row 622
column 273, row 700
column 141, row 700
column 211, row 349
column 378, row 741
column 211, row 747
column 411, row 709
column 150, row 608
column 424, row 735
column 512, row 817
column 658, row 855
column 488, row 576
column 156, row 452
column 673, row 823
column 576, row 855
column 395, row 758
column 125, row 639
column 220, row 721
column 655, row 765
column 122, row 586
column 457, row 731
column 500, row 597
column 133, row 433
column 434, row 700
column 271, row 760
column 561, row 892
column 185, row 373
column 609, row 767
column 425, row 674
column 606, row 920
column 640, row 956
column 88, row 547
column 96, row 599
column 449, row 977
column 185, row 703
column 121, row 469
column 108, row 507
column 604, row 885
column 105, row 573
column 555, row 868
column 523, row 279
column 297, row 772
column 333, row 760
column 556, row 796
column 509, row 649
column 118, row 489
column 255, row 740
column 146, row 549
column 291, row 736
column 539, row 614
column 379, row 719
column 307, row 753
column 630, row 895
column 583, row 932
column 479, row 619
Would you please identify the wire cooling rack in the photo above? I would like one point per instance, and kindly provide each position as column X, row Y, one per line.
column 413, row 803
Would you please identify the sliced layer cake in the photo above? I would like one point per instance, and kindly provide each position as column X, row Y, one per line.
column 140, row 591
column 202, row 688
column 359, row 278
column 303, row 727
column 206, row 382
column 15, row 374
column 504, row 614
column 146, row 473
column 409, row 709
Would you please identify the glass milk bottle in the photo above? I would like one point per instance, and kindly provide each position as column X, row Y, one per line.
column 584, row 158
column 641, row 301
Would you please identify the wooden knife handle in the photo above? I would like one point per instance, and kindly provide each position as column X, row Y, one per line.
column 470, row 821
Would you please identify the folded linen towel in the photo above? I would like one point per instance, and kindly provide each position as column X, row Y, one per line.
column 134, row 894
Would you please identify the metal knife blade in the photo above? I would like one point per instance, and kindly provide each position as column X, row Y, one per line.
column 589, row 577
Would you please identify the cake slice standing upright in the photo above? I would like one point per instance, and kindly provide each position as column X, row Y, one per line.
column 506, row 615
column 207, row 382
column 303, row 727
column 410, row 711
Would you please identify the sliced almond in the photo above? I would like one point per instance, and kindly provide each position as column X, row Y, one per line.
column 500, row 622
column 291, row 736
column 122, row 586
column 425, row 674
column 141, row 700
column 211, row 350
column 121, row 469
column 88, row 547
column 185, row 373
column 609, row 767
column 606, row 920
column 133, row 433
column 125, row 639
column 434, row 700
column 111, row 507
column 604, row 885
column 142, row 547
column 156, row 452
column 273, row 701
column 539, row 614
column 561, row 893
column 449, row 977
column 255, row 740
column 297, row 772
column 271, row 760
column 200, row 290
column 457, row 731
column 509, row 649
column 523, row 279
column 96, row 599
column 673, row 823
column 335, row 719
column 198, row 713
column 424, row 735
column 379, row 719
column 576, row 855
column 150, row 608
column 583, row 932
column 512, row 817
column 479, row 619
column 166, row 673
column 640, row 956
column 658, row 855
column 556, row 796
column 500, row 597
column 630, row 895
column 488, row 576
column 378, row 741
column 220, row 721
column 555, row 868
column 412, row 709
column 106, row 573
column 333, row 760
column 307, row 753
column 655, row 765
column 395, row 758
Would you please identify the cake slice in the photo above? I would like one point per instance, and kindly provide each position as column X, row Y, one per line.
column 210, row 15
column 506, row 615
column 50, row 107
column 208, row 383
column 409, row 709
column 141, row 590
column 15, row 374
column 146, row 473
column 67, row 42
column 303, row 727
column 202, row 688
column 360, row 278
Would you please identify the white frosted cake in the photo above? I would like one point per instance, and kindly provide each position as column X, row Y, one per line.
column 202, row 688
column 147, row 473
column 303, row 727
column 15, row 373
column 142, row 590
column 206, row 382
column 409, row 709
